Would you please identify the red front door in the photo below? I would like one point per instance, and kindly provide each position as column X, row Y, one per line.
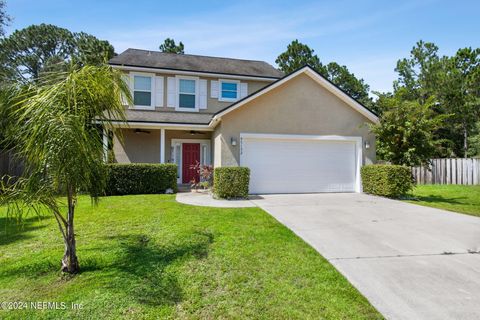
column 190, row 156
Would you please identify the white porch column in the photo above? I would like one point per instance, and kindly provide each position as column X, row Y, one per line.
column 162, row 145
column 105, row 145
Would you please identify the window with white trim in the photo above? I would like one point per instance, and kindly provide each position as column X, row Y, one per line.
column 203, row 160
column 142, row 91
column 229, row 90
column 187, row 93
column 176, row 156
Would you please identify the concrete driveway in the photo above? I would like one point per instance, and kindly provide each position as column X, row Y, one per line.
column 411, row 262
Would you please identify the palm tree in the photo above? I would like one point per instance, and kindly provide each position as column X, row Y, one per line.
column 54, row 126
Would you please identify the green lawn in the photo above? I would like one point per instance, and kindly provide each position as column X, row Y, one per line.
column 463, row 199
column 147, row 256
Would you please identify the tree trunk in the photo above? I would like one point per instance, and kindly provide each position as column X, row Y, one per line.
column 465, row 141
column 70, row 261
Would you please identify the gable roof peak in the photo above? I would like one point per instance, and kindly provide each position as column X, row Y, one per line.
column 316, row 76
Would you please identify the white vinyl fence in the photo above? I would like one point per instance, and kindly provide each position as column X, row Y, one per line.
column 449, row 171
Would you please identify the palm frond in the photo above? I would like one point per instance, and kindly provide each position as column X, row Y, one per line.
column 54, row 126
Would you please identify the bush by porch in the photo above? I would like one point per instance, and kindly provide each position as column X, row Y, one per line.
column 141, row 178
column 231, row 182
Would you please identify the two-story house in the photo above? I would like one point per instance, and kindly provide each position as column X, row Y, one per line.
column 296, row 132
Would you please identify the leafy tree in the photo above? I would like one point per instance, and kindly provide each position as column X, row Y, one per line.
column 169, row 46
column 298, row 55
column 405, row 132
column 356, row 88
column 418, row 74
column 474, row 142
column 46, row 48
column 383, row 99
column 459, row 95
column 4, row 21
column 4, row 17
column 454, row 83
column 88, row 50
column 52, row 129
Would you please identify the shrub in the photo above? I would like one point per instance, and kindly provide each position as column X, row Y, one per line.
column 140, row 178
column 386, row 180
column 231, row 182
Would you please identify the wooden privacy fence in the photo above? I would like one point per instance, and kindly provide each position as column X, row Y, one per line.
column 449, row 171
column 9, row 165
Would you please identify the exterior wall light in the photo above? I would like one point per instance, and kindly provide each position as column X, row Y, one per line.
column 233, row 141
column 367, row 144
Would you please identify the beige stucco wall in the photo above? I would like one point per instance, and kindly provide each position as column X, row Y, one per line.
column 300, row 106
column 213, row 105
column 217, row 146
column 145, row 147
column 137, row 147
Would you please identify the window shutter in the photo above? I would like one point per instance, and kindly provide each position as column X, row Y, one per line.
column 202, row 94
column 243, row 90
column 126, row 79
column 159, row 91
column 171, row 92
column 214, row 89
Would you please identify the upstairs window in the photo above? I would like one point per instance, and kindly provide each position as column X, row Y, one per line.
column 228, row 90
column 186, row 92
column 142, row 91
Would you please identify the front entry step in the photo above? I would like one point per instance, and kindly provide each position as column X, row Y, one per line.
column 184, row 187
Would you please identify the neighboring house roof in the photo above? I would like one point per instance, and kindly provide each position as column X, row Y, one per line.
column 369, row 114
column 195, row 63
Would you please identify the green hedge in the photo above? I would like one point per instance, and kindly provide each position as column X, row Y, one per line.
column 231, row 182
column 386, row 180
column 140, row 178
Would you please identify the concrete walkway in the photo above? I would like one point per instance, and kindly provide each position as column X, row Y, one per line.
column 204, row 199
column 411, row 262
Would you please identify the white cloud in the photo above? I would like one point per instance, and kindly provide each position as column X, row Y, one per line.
column 235, row 27
column 249, row 31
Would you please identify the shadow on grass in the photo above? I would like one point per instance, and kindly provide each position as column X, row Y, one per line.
column 12, row 230
column 145, row 266
column 438, row 199
column 140, row 270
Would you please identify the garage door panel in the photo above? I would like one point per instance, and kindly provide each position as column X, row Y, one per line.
column 300, row 166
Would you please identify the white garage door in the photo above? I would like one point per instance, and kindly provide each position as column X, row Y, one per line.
column 301, row 164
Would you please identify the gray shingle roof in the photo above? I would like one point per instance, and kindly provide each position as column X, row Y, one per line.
column 173, row 117
column 189, row 62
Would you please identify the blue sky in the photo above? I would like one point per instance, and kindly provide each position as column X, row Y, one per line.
column 366, row 36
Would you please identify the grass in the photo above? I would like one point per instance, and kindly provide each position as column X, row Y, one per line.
column 458, row 198
column 149, row 257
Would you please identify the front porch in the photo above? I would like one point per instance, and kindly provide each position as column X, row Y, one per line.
column 183, row 146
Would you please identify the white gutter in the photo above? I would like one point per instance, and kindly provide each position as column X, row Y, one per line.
column 168, row 126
